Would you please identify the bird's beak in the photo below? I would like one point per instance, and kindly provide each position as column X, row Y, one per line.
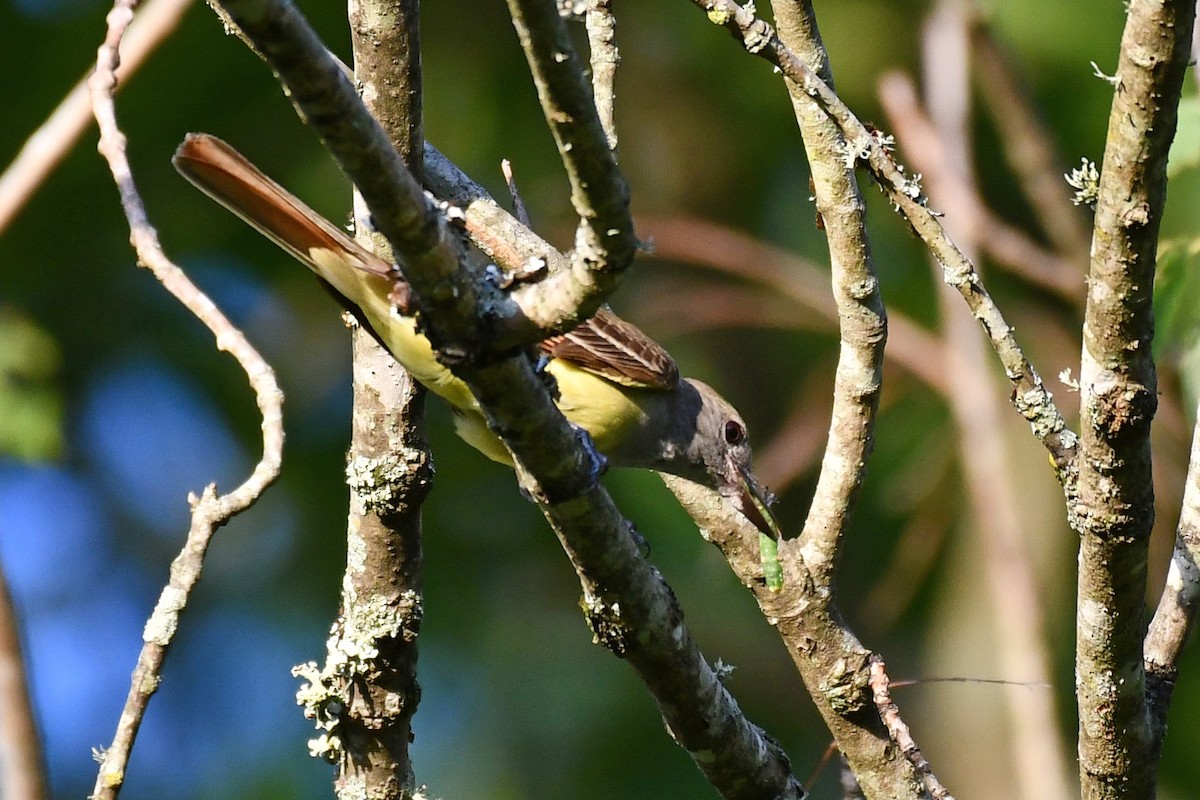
column 755, row 503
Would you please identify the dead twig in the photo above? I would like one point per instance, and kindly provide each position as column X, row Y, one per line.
column 899, row 732
column 209, row 510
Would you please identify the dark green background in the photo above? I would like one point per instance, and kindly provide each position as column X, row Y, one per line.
column 517, row 702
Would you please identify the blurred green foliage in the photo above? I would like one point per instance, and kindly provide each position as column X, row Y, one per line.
column 517, row 701
column 30, row 406
column 1185, row 150
column 1177, row 315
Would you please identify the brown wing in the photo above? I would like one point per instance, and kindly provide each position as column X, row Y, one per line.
column 614, row 349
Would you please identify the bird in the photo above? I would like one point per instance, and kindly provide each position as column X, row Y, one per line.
column 611, row 379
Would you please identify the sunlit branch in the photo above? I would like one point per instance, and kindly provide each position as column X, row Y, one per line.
column 209, row 510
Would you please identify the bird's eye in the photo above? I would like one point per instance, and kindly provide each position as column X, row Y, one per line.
column 735, row 432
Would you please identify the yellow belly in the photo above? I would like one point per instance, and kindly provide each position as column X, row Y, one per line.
column 607, row 412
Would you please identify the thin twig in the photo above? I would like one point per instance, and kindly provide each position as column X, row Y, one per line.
column 807, row 615
column 55, row 137
column 977, row 406
column 1175, row 615
column 899, row 731
column 602, row 44
column 873, row 149
column 732, row 252
column 966, row 679
column 209, row 510
column 518, row 205
column 1011, row 247
column 500, row 235
column 22, row 762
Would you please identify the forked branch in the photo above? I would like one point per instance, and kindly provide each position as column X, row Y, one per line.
column 872, row 149
column 633, row 611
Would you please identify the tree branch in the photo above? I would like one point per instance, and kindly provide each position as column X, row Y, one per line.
column 862, row 320
column 444, row 285
column 1030, row 397
column 976, row 401
column 501, row 236
column 1009, row 246
column 604, row 242
column 829, row 657
column 631, row 609
column 209, row 511
column 604, row 57
column 371, row 667
column 445, row 288
column 1118, row 396
column 1175, row 615
column 497, row 233
column 633, row 613
column 901, row 735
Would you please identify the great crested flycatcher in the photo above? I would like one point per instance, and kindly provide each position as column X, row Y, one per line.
column 612, row 380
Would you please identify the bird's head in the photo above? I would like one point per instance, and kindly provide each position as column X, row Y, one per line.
column 707, row 442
